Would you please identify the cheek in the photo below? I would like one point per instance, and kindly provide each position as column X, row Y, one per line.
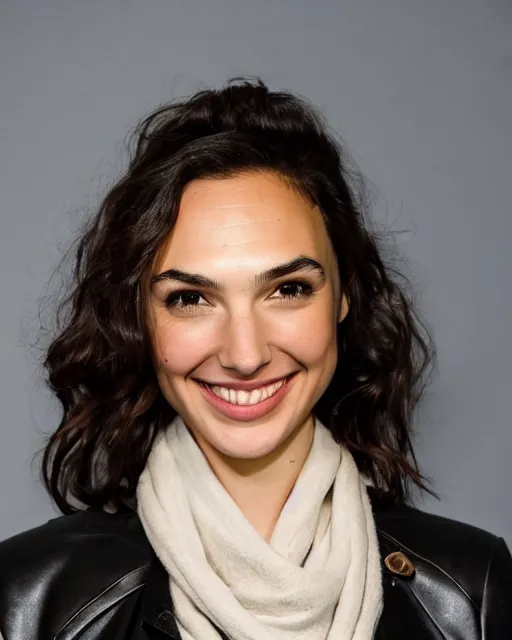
column 310, row 337
column 180, row 346
column 318, row 346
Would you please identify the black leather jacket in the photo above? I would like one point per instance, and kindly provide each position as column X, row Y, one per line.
column 94, row 576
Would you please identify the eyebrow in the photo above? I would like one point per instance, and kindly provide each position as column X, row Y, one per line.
column 302, row 263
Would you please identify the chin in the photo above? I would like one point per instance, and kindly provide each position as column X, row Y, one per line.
column 245, row 442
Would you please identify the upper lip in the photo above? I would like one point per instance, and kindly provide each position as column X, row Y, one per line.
column 245, row 386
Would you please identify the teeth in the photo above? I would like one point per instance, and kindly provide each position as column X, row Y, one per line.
column 222, row 392
column 254, row 397
column 242, row 397
column 247, row 397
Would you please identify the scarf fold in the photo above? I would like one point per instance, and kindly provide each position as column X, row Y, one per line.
column 317, row 579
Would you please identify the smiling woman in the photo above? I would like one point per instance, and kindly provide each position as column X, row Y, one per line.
column 241, row 329
column 238, row 372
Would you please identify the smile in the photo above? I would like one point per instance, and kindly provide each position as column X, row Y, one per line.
column 247, row 398
column 246, row 404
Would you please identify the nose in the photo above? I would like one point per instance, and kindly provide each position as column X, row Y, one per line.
column 245, row 348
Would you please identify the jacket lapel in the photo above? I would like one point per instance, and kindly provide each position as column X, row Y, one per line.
column 402, row 617
column 157, row 618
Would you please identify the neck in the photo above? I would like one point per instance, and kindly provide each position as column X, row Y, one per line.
column 261, row 487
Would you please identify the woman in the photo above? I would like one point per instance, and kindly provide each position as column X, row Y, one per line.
column 238, row 372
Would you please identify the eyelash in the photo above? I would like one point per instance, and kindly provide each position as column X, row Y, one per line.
column 173, row 300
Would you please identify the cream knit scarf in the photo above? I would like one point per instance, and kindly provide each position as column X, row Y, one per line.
column 318, row 578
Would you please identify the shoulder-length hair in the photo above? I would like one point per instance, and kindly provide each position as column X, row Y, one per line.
column 99, row 364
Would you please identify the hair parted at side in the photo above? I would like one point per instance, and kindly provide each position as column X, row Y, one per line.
column 99, row 363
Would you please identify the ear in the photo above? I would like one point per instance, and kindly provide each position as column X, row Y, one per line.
column 344, row 308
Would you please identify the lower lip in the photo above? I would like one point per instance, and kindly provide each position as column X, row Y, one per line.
column 245, row 413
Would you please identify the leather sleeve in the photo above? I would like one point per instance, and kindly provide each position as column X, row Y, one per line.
column 497, row 596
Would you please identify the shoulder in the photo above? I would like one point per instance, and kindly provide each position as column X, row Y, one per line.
column 77, row 534
column 451, row 556
column 433, row 536
column 49, row 563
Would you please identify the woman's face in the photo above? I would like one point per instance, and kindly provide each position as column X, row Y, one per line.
column 243, row 310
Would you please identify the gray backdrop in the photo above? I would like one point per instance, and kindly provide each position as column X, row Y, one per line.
column 419, row 89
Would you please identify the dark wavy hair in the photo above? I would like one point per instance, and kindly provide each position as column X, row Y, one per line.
column 99, row 364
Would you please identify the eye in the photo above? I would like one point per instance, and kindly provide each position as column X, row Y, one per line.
column 294, row 290
column 183, row 300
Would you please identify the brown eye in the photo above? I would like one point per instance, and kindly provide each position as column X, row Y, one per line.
column 294, row 290
column 183, row 299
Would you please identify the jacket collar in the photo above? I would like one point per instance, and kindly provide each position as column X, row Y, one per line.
column 157, row 610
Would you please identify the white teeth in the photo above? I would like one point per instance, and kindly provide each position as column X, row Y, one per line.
column 223, row 393
column 242, row 397
column 247, row 397
column 254, row 396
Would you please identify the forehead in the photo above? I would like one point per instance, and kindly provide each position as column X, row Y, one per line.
column 244, row 217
